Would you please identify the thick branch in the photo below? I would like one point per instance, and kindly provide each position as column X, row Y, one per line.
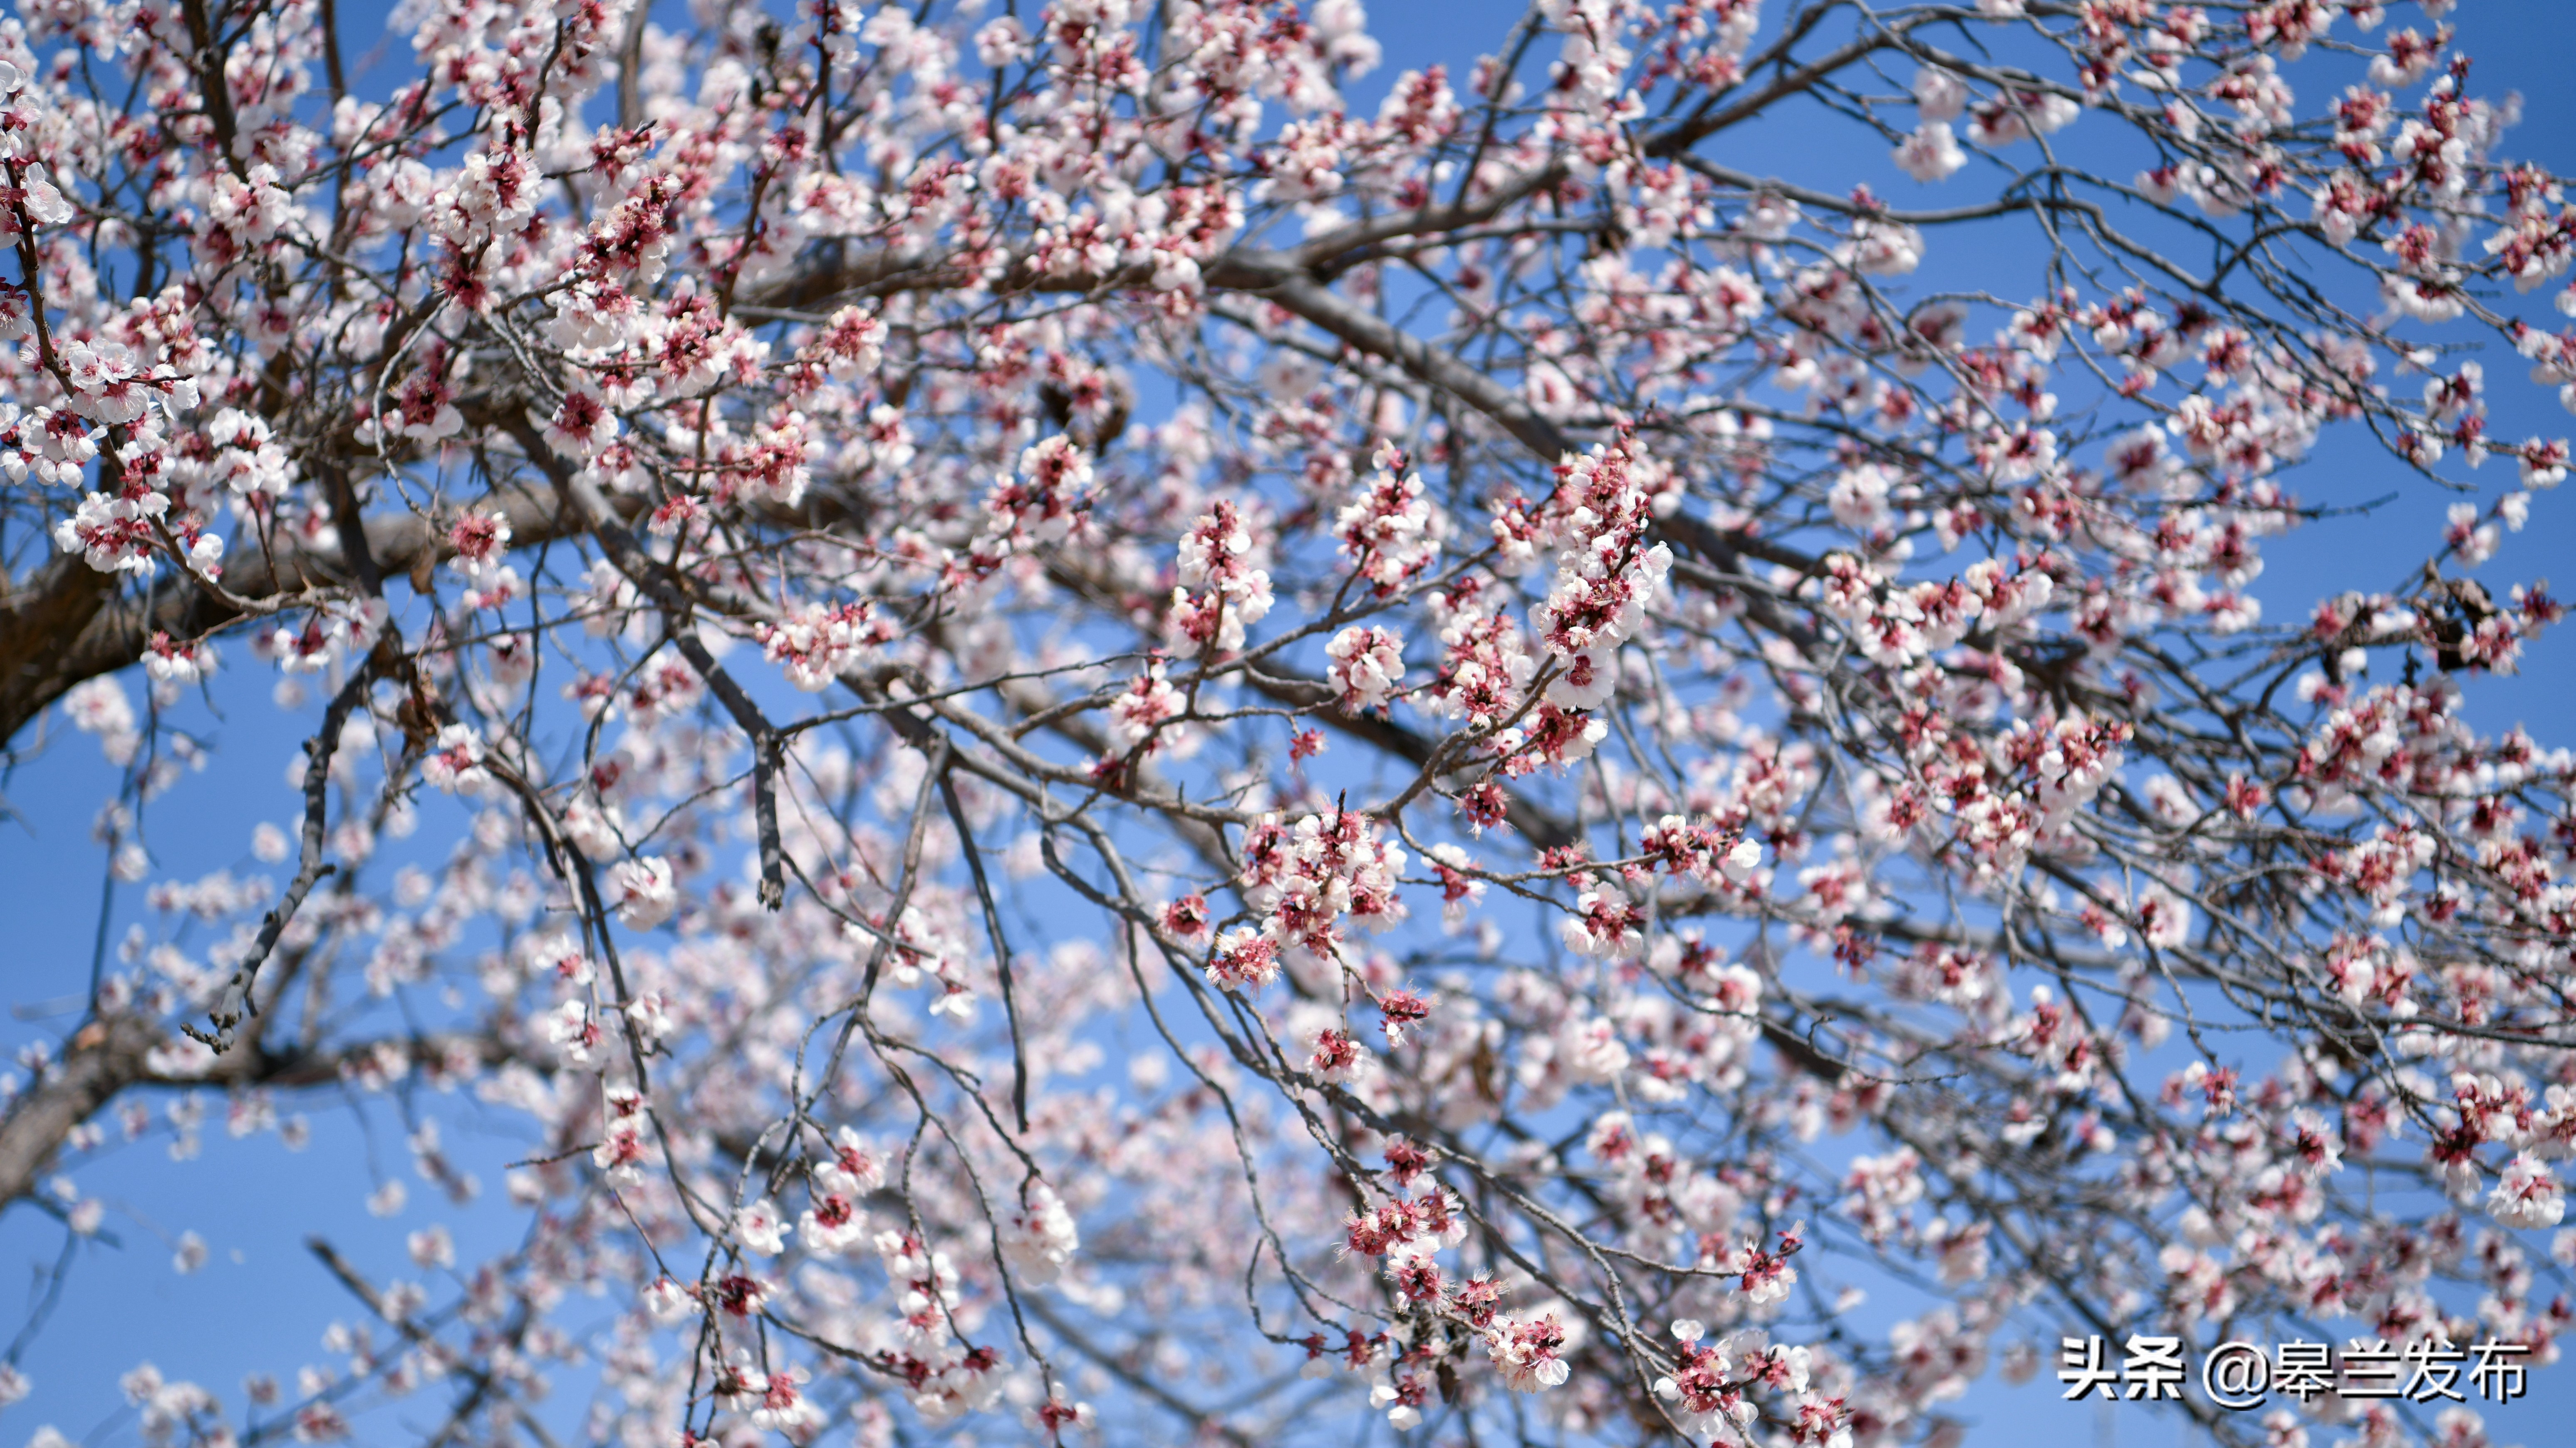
column 72, row 623
column 106, row 1055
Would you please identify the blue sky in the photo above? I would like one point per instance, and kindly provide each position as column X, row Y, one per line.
column 261, row 1302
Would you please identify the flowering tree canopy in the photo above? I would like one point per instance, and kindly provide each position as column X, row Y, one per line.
column 1096, row 744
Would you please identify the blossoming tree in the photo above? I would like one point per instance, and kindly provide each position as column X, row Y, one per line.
column 1626, row 747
